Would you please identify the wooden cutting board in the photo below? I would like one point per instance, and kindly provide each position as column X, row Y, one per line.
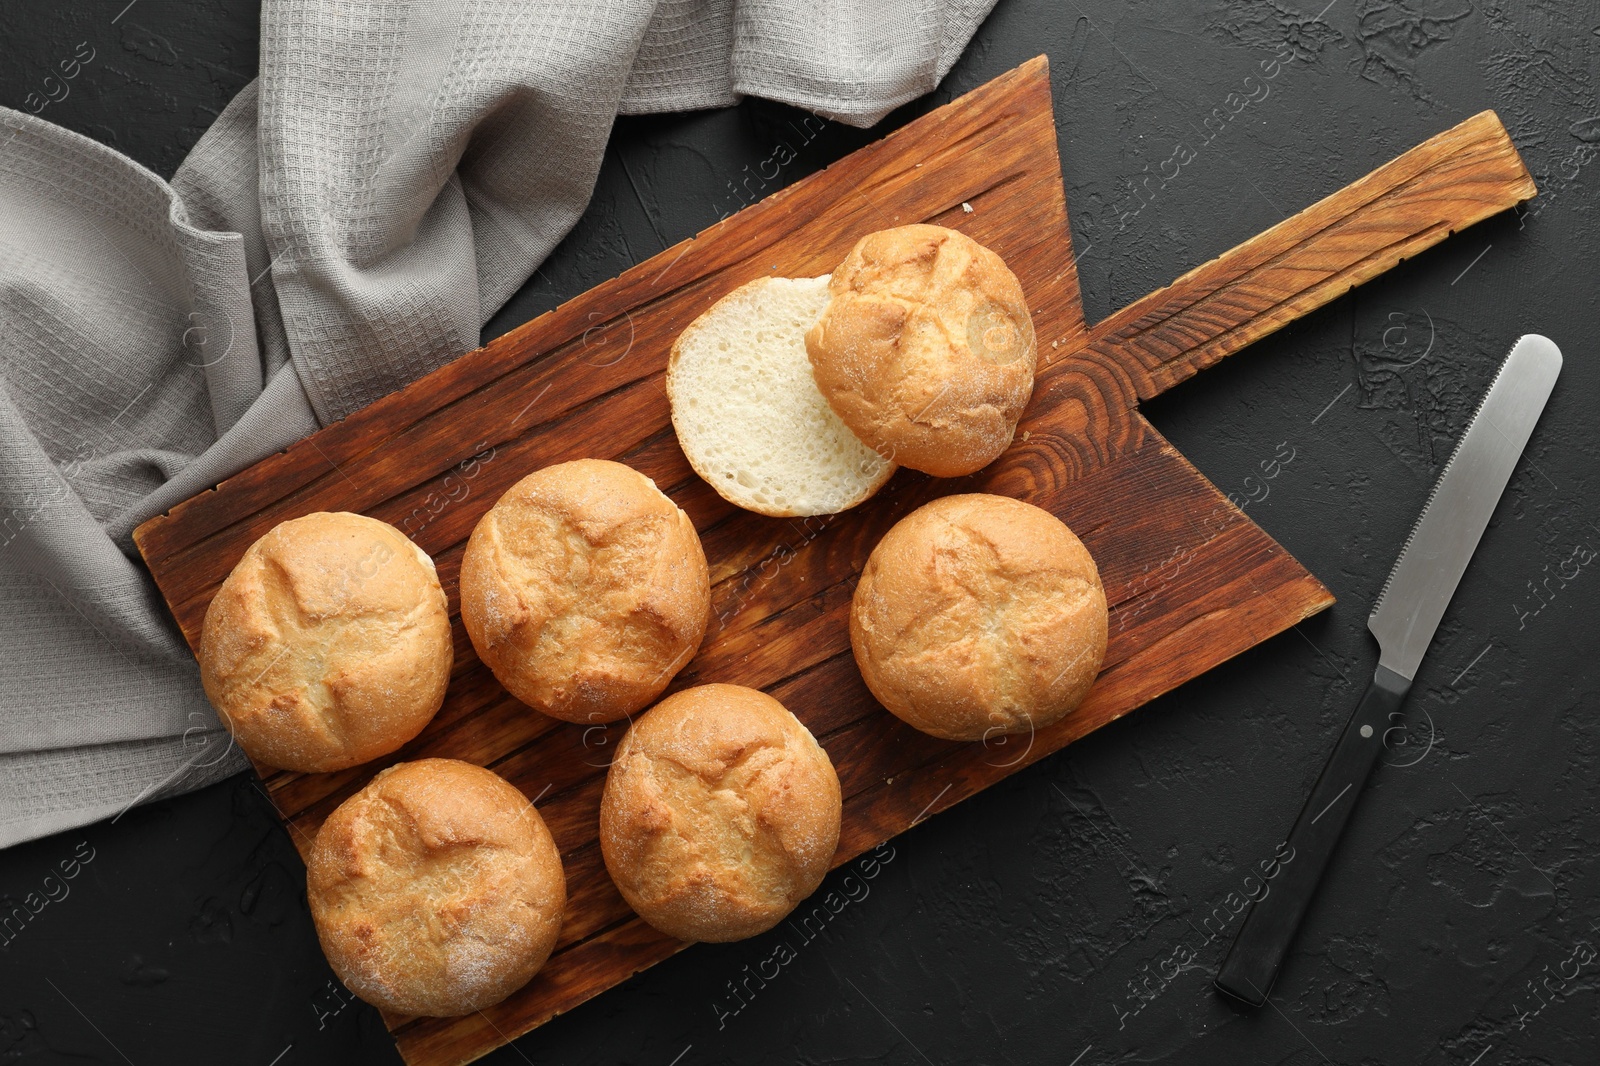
column 1191, row 580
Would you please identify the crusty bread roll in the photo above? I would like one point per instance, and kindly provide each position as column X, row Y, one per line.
column 328, row 644
column 747, row 410
column 720, row 814
column 437, row 889
column 979, row 615
column 926, row 349
column 585, row 590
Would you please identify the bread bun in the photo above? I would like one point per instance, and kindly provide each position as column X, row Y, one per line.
column 328, row 644
column 926, row 349
column 585, row 589
column 979, row 615
column 747, row 410
column 720, row 814
column 437, row 889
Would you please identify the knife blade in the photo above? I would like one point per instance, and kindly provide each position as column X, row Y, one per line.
column 1413, row 599
column 1403, row 620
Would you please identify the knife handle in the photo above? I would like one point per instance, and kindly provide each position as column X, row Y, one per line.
column 1263, row 940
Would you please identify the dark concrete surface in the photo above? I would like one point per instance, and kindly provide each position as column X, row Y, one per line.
column 1070, row 914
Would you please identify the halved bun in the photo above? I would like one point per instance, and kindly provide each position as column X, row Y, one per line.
column 926, row 351
column 747, row 411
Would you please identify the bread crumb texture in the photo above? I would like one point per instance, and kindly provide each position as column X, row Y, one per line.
column 720, row 814
column 328, row 644
column 926, row 349
column 436, row 890
column 747, row 411
column 585, row 590
column 978, row 616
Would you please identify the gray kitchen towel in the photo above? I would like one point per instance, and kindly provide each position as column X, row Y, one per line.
column 348, row 224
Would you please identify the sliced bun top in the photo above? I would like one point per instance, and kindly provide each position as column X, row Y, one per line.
column 926, row 350
column 747, row 411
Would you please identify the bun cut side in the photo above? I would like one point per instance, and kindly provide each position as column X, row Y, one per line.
column 747, row 411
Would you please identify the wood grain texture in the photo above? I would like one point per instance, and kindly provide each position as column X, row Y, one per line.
column 1190, row 579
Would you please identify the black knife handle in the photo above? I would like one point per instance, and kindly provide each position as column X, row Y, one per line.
column 1252, row 964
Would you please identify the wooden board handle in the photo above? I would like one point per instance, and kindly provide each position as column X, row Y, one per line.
column 1445, row 184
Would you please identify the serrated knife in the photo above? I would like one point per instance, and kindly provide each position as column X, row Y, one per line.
column 1404, row 619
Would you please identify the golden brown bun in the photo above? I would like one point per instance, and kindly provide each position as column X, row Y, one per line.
column 436, row 889
column 720, row 814
column 926, row 350
column 585, row 590
column 979, row 615
column 328, row 644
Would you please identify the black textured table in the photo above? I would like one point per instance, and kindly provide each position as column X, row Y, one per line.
column 1075, row 913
